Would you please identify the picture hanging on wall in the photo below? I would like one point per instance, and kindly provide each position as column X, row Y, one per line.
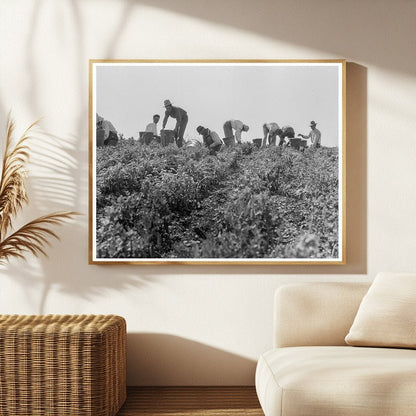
column 217, row 162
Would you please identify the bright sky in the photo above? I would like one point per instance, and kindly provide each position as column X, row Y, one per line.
column 129, row 94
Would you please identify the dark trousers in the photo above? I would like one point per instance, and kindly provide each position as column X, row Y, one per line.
column 180, row 130
column 228, row 130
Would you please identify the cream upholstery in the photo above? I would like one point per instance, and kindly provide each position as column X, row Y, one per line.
column 304, row 375
column 387, row 314
column 315, row 313
column 337, row 381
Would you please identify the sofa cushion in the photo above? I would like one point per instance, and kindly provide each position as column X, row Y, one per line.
column 315, row 313
column 386, row 316
column 342, row 380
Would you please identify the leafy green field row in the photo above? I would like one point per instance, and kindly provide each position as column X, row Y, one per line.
column 165, row 202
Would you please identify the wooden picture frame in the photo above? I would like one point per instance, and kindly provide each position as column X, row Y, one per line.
column 267, row 195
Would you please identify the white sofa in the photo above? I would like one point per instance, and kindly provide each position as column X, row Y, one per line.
column 312, row 371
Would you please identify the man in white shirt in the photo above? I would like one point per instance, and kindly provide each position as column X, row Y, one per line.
column 314, row 135
column 238, row 126
column 152, row 127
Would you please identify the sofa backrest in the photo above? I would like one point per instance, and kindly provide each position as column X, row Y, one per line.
column 315, row 313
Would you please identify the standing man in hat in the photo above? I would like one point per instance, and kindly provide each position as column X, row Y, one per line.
column 236, row 125
column 314, row 135
column 181, row 117
column 211, row 139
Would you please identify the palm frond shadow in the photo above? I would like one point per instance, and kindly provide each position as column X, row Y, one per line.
column 55, row 178
column 57, row 181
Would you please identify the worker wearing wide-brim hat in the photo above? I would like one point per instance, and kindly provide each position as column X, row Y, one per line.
column 238, row 126
column 314, row 135
column 181, row 117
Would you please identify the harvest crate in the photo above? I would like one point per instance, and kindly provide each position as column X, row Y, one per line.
column 62, row 365
column 167, row 137
column 257, row 142
column 298, row 143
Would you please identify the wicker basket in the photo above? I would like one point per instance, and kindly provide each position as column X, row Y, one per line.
column 72, row 365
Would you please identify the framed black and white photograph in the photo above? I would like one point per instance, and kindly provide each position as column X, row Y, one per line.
column 217, row 162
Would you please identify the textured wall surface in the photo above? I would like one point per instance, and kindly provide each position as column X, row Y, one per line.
column 204, row 324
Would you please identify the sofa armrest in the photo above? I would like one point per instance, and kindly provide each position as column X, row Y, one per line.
column 315, row 313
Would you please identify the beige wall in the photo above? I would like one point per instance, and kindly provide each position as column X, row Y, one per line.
column 204, row 325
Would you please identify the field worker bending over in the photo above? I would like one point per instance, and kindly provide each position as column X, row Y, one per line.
column 238, row 126
column 210, row 138
column 270, row 130
column 286, row 131
column 106, row 132
column 314, row 135
column 152, row 127
column 181, row 117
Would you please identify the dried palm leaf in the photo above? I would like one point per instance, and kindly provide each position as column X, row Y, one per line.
column 33, row 237
column 13, row 175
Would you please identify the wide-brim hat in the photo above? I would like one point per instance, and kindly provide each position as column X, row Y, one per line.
column 167, row 103
column 313, row 123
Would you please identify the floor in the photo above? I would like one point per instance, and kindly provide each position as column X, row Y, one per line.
column 187, row 401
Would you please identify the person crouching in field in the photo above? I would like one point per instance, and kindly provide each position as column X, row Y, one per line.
column 314, row 135
column 211, row 139
column 270, row 130
column 286, row 131
column 181, row 117
column 236, row 125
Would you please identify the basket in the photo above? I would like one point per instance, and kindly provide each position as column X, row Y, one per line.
column 257, row 142
column 167, row 137
column 60, row 365
column 295, row 143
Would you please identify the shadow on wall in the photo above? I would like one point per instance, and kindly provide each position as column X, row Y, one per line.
column 53, row 186
column 62, row 179
column 376, row 35
column 60, row 182
column 356, row 166
column 168, row 360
